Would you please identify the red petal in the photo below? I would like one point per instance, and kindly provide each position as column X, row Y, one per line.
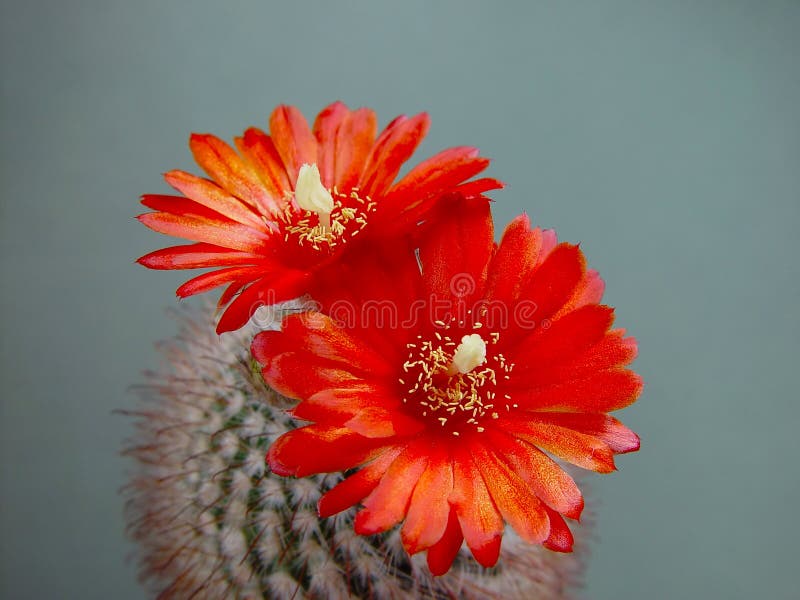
column 604, row 391
column 580, row 449
column 454, row 261
column 298, row 374
column 214, row 197
column 377, row 422
column 219, row 232
column 356, row 487
column 481, row 523
column 280, row 287
column 612, row 351
column 567, row 338
column 477, row 187
column 443, row 553
column 589, row 291
column 514, row 260
column 197, row 256
column 549, row 242
column 316, row 449
column 326, row 125
column 554, row 282
column 208, row 281
column 436, row 176
column 341, row 404
column 429, row 510
column 178, row 205
column 393, row 148
column 227, row 168
column 545, row 478
column 293, row 139
column 259, row 149
column 210, row 195
column 560, row 538
column 318, row 334
column 289, row 374
column 516, row 502
column 353, row 143
column 230, row 292
column 380, row 310
column 387, row 504
column 604, row 427
column 420, row 196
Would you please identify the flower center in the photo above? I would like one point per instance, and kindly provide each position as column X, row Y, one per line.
column 456, row 384
column 325, row 217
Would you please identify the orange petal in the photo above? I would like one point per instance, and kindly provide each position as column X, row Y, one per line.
column 219, row 232
column 214, row 197
column 387, row 504
column 546, row 479
column 258, row 148
column 429, row 510
column 293, row 139
column 480, row 521
column 233, row 174
column 358, row 486
column 580, row 449
column 604, row 427
column 516, row 502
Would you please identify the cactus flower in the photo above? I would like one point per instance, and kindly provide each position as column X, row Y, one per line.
column 211, row 521
column 289, row 204
column 447, row 419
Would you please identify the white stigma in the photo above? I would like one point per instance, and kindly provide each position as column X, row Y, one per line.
column 311, row 195
column 470, row 353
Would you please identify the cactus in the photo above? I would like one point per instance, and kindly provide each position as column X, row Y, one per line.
column 211, row 521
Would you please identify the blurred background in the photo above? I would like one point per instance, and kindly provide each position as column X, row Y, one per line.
column 662, row 136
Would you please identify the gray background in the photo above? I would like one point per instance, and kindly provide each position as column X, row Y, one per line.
column 663, row 136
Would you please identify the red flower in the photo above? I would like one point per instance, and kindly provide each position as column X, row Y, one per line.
column 451, row 415
column 287, row 205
